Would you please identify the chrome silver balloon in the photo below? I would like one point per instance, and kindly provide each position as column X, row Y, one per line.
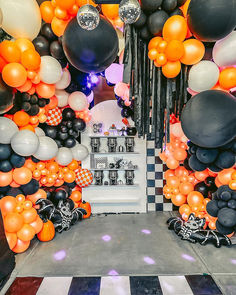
column 88, row 17
column 129, row 11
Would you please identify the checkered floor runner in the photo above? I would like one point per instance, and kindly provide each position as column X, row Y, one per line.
column 115, row 285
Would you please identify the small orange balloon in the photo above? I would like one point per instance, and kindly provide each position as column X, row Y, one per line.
column 59, row 26
column 110, row 10
column 29, row 215
column 181, row 171
column 73, row 165
column 65, row 4
column 201, row 175
column 161, row 59
column 171, row 69
column 31, row 75
column 61, row 13
column 180, row 154
column 37, row 224
column 227, row 79
column 30, row 164
column 232, row 184
column 152, row 54
column 173, row 182
column 76, row 196
column 30, row 59
column 40, row 194
column 11, row 239
column 21, row 118
column 175, row 28
column 24, row 44
column 233, row 176
column 27, row 127
column 53, row 103
column 174, row 50
column 194, row 51
column 168, row 196
column 169, row 173
column 195, row 199
column 45, row 90
column 20, row 198
column 154, row 42
column 212, row 225
column 9, row 51
column 184, row 209
column 22, row 175
column 19, row 208
column 21, row 246
column 224, row 176
column 26, row 233
column 73, row 10
column 5, row 178
column 7, row 205
column 171, row 163
column 13, row 222
column 25, row 87
column 14, row 75
column 161, row 47
column 47, row 11
column 69, row 176
column 186, row 188
column 53, row 167
column 217, row 182
column 179, row 199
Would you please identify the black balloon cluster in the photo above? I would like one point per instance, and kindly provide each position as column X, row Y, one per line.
column 126, row 112
column 31, row 104
column 47, row 43
column 207, row 187
column 55, row 194
column 215, row 159
column 66, row 133
column 224, row 207
column 9, row 159
column 154, row 15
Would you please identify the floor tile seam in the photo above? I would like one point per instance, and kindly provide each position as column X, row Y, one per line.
column 201, row 259
column 218, row 283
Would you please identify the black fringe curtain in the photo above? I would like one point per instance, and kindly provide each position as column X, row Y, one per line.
column 155, row 96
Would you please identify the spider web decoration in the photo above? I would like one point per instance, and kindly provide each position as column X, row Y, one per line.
column 155, row 96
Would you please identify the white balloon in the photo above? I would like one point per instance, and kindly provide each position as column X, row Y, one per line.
column 65, row 80
column 90, row 98
column 203, row 76
column 39, row 131
column 21, row 18
column 47, row 149
column 78, row 101
column 224, row 51
column 50, row 70
column 79, row 152
column 25, row 143
column 7, row 130
column 62, row 97
column 64, row 156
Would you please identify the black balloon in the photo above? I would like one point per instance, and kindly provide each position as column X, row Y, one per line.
column 70, row 142
column 141, row 20
column 202, row 188
column 211, row 20
column 209, row 119
column 5, row 166
column 41, row 45
column 5, row 151
column 212, row 208
column 56, row 50
column 225, row 160
column 4, row 189
column 195, row 164
column 62, row 136
column 181, row 2
column 68, row 114
column 232, row 204
column 90, row 51
column 145, row 33
column 227, row 217
column 126, row 113
column 47, row 32
column 6, row 97
column 60, row 194
column 14, row 192
column 150, row 5
column 206, row 156
column 79, row 125
column 156, row 22
column 50, row 131
column 177, row 11
column 222, row 204
column 169, row 5
column 31, row 187
column 225, row 196
column 214, row 168
column 222, row 229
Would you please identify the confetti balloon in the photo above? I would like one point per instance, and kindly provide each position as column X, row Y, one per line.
column 129, row 11
column 88, row 17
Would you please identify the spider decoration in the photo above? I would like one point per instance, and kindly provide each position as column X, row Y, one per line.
column 62, row 216
column 192, row 231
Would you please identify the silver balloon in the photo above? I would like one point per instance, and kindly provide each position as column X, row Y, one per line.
column 88, row 17
column 129, row 11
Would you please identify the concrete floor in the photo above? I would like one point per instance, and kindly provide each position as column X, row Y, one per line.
column 137, row 244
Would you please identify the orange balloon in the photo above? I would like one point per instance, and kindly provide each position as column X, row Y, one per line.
column 30, row 164
column 61, row 13
column 152, row 54
column 13, row 222
column 24, row 44
column 14, row 184
column 7, row 205
column 169, row 173
column 233, row 176
column 195, row 199
column 29, row 215
column 53, row 103
column 65, row 4
column 30, row 59
column 20, row 198
column 22, row 175
column 40, row 194
column 232, row 184
column 224, row 176
column 21, row 118
column 175, row 28
column 73, row 10
column 168, row 196
column 191, row 178
column 186, row 188
column 184, row 179
column 181, row 171
column 32, row 90
column 36, row 79
column 58, row 182
column 161, row 47
column 14, row 74
column 27, row 127
column 184, row 209
column 173, row 181
column 26, row 233
column 9, row 51
column 180, row 154
column 83, row 2
column 174, row 50
column 53, row 167
column 73, row 165
column 5, row 178
column 58, row 26
column 69, row 176
column 201, row 175
column 110, row 10
column 11, row 239
column 171, row 69
column 194, row 51
column 178, row 199
column 25, row 87
column 45, row 90
column 47, row 11
column 37, row 224
column 227, row 79
column 154, row 42
column 28, row 205
column 212, row 225
column 171, row 163
column 206, row 201
column 21, row 246
column 217, row 182
column 2, row 63
column 76, row 196
column 161, row 59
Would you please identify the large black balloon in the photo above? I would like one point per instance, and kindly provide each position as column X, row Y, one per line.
column 227, row 217
column 156, row 22
column 209, row 119
column 31, row 187
column 90, row 51
column 6, row 97
column 212, row 208
column 150, row 5
column 211, row 20
column 223, row 229
column 225, row 160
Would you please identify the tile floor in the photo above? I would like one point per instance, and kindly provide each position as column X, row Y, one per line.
column 124, row 246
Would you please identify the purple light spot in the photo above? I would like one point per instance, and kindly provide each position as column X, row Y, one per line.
column 113, row 272
column 146, row 231
column 94, row 79
column 60, row 255
column 89, row 85
column 149, row 260
column 233, row 261
column 188, row 257
column 106, row 238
